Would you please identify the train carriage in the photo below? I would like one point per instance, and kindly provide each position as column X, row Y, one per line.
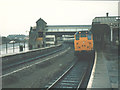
column 83, row 42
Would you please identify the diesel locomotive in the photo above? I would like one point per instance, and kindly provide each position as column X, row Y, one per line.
column 83, row 43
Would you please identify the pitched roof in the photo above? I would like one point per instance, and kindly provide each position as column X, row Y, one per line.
column 41, row 20
column 110, row 20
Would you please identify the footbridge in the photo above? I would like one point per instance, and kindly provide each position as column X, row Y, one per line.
column 65, row 29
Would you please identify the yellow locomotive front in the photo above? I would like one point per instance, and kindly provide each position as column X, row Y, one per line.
column 83, row 42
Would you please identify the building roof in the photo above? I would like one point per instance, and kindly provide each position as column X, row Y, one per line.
column 41, row 20
column 110, row 20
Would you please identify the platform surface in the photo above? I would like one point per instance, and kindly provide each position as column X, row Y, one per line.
column 105, row 71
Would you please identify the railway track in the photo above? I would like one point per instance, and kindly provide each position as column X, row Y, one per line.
column 5, row 67
column 33, row 63
column 71, row 78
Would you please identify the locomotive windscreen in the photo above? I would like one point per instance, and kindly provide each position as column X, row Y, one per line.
column 83, row 34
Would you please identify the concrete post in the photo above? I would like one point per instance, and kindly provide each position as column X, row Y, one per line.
column 44, row 42
column 56, row 39
column 6, row 47
column 111, row 34
column 13, row 46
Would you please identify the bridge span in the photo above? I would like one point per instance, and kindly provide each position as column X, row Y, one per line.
column 65, row 29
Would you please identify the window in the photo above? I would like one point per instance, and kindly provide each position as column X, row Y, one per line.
column 49, row 39
column 40, row 34
column 89, row 37
column 83, row 35
column 77, row 36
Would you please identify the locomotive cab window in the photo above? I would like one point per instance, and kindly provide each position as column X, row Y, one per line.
column 83, row 35
column 77, row 37
column 89, row 36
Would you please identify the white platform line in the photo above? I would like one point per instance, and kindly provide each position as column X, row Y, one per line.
column 92, row 74
column 33, row 64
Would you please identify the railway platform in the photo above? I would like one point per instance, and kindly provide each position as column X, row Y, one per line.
column 105, row 70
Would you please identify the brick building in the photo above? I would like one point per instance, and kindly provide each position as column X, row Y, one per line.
column 37, row 35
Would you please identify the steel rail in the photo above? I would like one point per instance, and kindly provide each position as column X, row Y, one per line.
column 61, row 77
column 83, row 76
column 65, row 73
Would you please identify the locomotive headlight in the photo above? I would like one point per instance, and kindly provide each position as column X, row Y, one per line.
column 83, row 42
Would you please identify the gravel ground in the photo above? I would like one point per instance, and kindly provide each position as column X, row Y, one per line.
column 111, row 55
column 39, row 75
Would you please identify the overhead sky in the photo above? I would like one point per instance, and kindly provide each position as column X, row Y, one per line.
column 16, row 16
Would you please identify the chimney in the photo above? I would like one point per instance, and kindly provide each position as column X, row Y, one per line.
column 107, row 14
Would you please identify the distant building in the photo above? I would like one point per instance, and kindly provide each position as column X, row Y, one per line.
column 37, row 34
column 4, row 40
column 20, row 37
